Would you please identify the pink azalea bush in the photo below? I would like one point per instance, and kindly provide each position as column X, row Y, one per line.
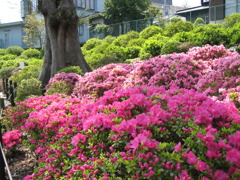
column 12, row 138
column 170, row 117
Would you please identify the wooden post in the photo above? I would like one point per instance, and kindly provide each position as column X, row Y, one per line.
column 6, row 86
column 11, row 93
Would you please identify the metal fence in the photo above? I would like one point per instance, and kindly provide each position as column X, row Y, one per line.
column 213, row 14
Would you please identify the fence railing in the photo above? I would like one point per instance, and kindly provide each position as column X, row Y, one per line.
column 212, row 14
column 3, row 160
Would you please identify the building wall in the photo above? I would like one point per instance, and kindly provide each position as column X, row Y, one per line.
column 11, row 34
column 232, row 6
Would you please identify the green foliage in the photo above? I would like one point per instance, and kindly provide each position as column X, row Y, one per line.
column 13, row 63
column 101, row 28
column 152, row 47
column 97, row 60
column 136, row 42
column 175, row 19
column 34, row 29
column 150, row 31
column 71, row 69
column 116, row 52
column 199, row 22
column 231, row 20
column 28, row 88
column 185, row 46
column 234, row 34
column 124, row 10
column 60, row 87
column 31, row 53
column 91, row 43
column 159, row 37
column 109, row 39
column 123, row 40
column 179, row 26
column 6, row 72
column 2, row 52
column 27, row 72
column 15, row 50
column 213, row 35
column 8, row 57
column 171, row 47
column 152, row 11
column 184, row 37
column 132, row 52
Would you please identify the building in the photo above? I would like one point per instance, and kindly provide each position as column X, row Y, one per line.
column 90, row 10
column 212, row 11
column 11, row 34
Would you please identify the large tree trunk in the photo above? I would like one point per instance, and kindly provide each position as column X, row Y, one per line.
column 62, row 43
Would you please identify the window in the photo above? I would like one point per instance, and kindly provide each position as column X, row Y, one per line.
column 89, row 4
column 81, row 29
column 6, row 37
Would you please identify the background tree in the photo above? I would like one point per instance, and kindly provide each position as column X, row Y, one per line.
column 34, row 29
column 153, row 11
column 125, row 10
column 62, row 41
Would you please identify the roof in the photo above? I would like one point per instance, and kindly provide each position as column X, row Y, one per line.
column 11, row 24
column 198, row 8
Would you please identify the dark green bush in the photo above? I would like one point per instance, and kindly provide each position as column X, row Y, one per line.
column 71, row 69
column 32, row 53
column 152, row 47
column 15, row 50
column 97, row 60
column 2, row 52
column 28, row 88
column 179, row 26
column 171, row 47
column 150, row 31
column 123, row 40
column 116, row 52
column 60, row 87
column 6, row 72
column 231, row 20
column 234, row 34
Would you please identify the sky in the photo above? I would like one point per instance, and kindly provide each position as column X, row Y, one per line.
column 10, row 9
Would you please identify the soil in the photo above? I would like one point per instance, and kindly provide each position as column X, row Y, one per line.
column 21, row 162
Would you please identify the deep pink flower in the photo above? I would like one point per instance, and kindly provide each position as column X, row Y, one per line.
column 177, row 147
column 78, row 138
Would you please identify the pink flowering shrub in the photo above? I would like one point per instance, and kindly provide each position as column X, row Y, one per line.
column 93, row 84
column 143, row 132
column 11, row 138
column 209, row 52
column 62, row 83
column 156, row 119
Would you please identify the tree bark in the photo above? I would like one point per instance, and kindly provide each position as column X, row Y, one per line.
column 62, row 42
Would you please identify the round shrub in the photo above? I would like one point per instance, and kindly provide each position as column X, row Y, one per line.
column 132, row 52
column 152, row 47
column 91, row 43
column 60, row 87
column 2, row 52
column 234, row 35
column 175, row 19
column 199, row 22
column 97, row 60
column 184, row 37
column 6, row 72
column 109, row 39
column 15, row 50
column 150, row 31
column 231, row 20
column 171, row 47
column 71, row 69
column 159, row 37
column 8, row 57
column 136, row 42
column 123, row 40
column 116, row 52
column 26, row 73
column 28, row 88
column 179, row 26
column 31, row 53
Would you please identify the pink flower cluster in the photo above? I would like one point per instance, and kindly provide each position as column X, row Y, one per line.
column 72, row 78
column 12, row 138
column 209, row 52
column 148, row 120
